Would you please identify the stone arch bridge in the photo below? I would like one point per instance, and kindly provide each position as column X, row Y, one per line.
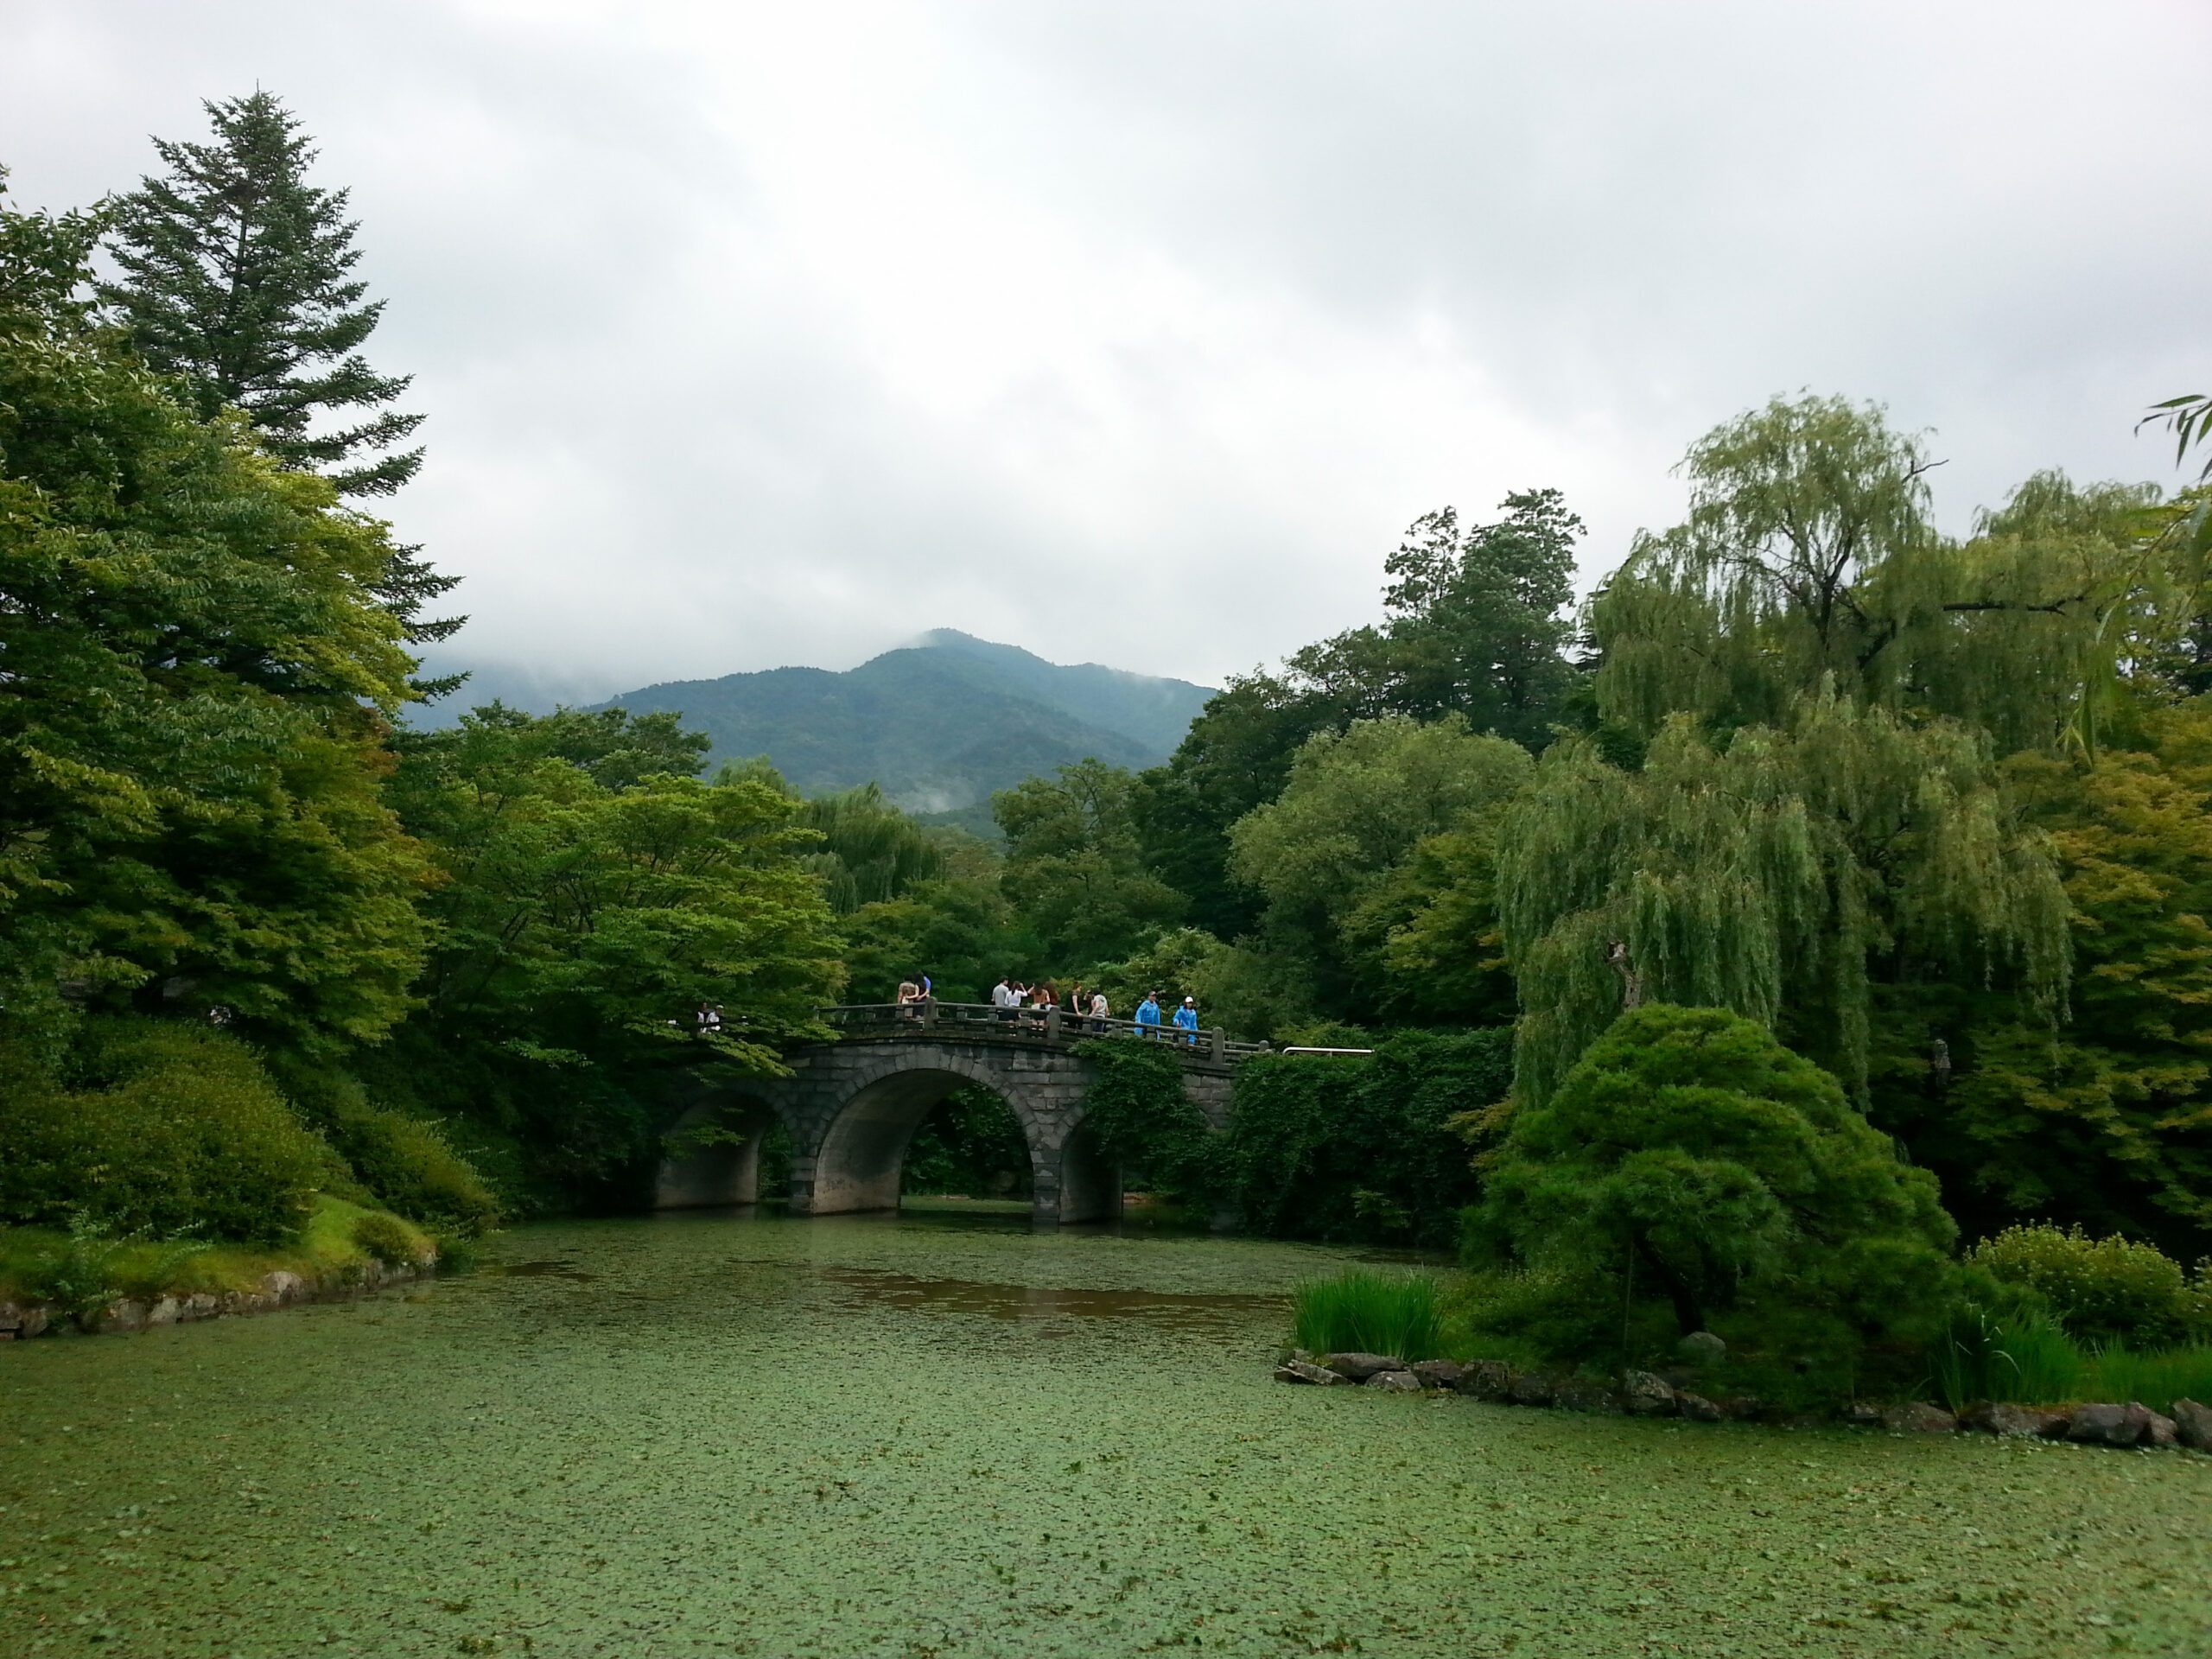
column 851, row 1106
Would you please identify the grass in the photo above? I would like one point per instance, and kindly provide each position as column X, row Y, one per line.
column 86, row 1269
column 2157, row 1379
column 2030, row 1361
column 1365, row 1312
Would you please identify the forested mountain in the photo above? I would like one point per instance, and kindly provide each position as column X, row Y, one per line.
column 940, row 724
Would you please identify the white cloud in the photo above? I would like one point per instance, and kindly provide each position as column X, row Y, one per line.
column 1135, row 333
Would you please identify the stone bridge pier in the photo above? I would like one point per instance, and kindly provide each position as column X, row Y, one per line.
column 852, row 1107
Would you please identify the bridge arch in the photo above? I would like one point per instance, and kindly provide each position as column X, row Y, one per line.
column 852, row 1107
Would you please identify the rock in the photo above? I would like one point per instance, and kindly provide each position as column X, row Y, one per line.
column 35, row 1321
column 1859, row 1414
column 1437, row 1373
column 11, row 1321
column 1572, row 1396
column 129, row 1314
column 1918, row 1417
column 1531, row 1388
column 1300, row 1353
column 2193, row 1425
column 283, row 1287
column 1395, row 1381
column 2015, row 1422
column 1742, row 1408
column 1486, row 1379
column 2162, row 1431
column 1360, row 1367
column 167, row 1310
column 1304, row 1371
column 203, row 1306
column 1701, row 1349
column 1647, row 1395
column 1699, row 1409
column 2107, row 1425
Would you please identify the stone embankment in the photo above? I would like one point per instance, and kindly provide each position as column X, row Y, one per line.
column 1646, row 1393
column 20, row 1320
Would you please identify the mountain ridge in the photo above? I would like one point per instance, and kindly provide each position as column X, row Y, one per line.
column 940, row 723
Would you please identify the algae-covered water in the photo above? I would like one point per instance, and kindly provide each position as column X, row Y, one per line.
column 911, row 1437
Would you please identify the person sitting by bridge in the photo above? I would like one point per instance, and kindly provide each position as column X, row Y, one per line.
column 1148, row 1016
column 1186, row 1019
column 909, row 993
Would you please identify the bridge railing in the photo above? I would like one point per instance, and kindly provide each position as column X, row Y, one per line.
column 1061, row 1026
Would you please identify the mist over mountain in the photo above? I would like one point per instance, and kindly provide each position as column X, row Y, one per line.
column 940, row 723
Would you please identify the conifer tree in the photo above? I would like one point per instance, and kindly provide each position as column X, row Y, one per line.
column 237, row 278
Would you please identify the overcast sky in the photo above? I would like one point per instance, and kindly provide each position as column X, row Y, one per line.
column 1135, row 333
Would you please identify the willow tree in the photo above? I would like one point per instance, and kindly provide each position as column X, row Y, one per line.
column 1781, row 872
column 1807, row 558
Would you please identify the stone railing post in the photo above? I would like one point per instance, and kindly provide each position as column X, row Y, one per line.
column 1214, row 1045
column 1053, row 1023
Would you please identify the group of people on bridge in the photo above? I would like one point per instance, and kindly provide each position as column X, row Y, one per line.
column 1017, row 1001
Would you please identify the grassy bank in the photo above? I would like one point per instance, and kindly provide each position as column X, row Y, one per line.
column 82, row 1271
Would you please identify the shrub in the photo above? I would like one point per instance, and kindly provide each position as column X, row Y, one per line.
column 1354, row 1149
column 1362, row 1312
column 2103, row 1289
column 1690, row 1161
column 163, row 1128
column 405, row 1163
column 387, row 1239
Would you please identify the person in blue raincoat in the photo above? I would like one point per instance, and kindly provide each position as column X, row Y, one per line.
column 1186, row 1019
column 1148, row 1013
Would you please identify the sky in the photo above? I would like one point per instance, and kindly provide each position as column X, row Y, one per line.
column 1136, row 333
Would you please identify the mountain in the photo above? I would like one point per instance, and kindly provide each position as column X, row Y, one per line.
column 939, row 724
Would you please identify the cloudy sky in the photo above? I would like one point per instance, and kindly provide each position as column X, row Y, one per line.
column 1135, row 333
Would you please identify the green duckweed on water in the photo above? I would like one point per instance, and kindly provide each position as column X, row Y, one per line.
column 909, row 1437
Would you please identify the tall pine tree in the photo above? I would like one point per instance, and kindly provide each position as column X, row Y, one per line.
column 236, row 280
column 236, row 277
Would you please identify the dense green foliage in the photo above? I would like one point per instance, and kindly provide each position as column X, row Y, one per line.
column 2102, row 1290
column 1143, row 1119
column 1689, row 1161
column 970, row 1144
column 1361, row 1149
column 236, row 278
column 159, row 1127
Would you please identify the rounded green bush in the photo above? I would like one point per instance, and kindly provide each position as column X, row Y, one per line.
column 386, row 1238
column 2101, row 1289
column 164, row 1127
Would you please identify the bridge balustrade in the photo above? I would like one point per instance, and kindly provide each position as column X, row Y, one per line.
column 1051, row 1028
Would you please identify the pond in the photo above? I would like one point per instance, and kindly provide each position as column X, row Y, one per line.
column 930, row 1435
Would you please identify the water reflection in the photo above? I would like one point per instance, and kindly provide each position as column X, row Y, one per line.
column 1169, row 1309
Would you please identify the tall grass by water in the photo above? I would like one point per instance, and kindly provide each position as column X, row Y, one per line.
column 1365, row 1312
column 2030, row 1360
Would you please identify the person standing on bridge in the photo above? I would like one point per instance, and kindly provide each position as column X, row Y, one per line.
column 1005, row 998
column 1148, row 1014
column 1186, row 1019
column 1099, row 1011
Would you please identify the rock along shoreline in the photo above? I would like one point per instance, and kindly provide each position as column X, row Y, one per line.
column 20, row 1321
column 1646, row 1393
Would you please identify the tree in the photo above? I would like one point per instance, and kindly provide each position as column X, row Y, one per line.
column 1781, row 874
column 1073, row 867
column 46, row 270
column 1356, row 807
column 198, row 677
column 581, row 925
column 1808, row 561
column 2107, row 1122
column 1689, row 1158
column 1236, row 756
column 235, row 277
column 1475, row 625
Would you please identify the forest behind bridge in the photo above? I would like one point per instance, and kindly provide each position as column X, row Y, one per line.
column 1926, row 815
